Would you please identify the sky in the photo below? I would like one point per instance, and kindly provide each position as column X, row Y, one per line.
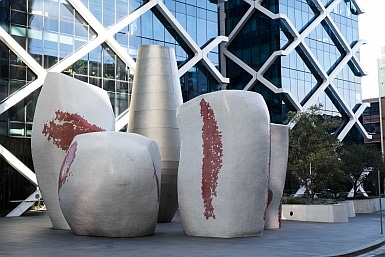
column 372, row 29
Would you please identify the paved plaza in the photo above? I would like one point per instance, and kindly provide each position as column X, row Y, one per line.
column 32, row 235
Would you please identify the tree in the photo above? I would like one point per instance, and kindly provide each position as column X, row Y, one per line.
column 360, row 163
column 313, row 157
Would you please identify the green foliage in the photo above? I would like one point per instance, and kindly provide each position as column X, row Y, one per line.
column 313, row 156
column 356, row 159
column 320, row 162
column 307, row 200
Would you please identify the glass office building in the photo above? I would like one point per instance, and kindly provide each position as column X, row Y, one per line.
column 296, row 53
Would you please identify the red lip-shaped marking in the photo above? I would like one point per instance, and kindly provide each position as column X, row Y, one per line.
column 212, row 157
column 65, row 168
column 65, row 126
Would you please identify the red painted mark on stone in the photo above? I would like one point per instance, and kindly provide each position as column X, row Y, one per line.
column 280, row 214
column 157, row 182
column 67, row 162
column 212, row 157
column 65, row 126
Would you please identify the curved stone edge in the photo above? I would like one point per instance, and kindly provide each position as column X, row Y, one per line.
column 103, row 197
column 279, row 151
column 65, row 96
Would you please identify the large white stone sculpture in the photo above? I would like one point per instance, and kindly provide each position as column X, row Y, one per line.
column 155, row 98
column 66, row 107
column 109, row 185
column 224, row 164
column 279, row 135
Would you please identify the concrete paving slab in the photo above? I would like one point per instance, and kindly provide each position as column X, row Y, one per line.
column 32, row 235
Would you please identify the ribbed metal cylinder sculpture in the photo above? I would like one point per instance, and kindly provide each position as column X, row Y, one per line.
column 155, row 98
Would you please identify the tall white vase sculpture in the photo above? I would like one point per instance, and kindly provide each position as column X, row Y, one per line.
column 224, row 164
column 109, row 185
column 155, row 98
column 66, row 107
column 279, row 135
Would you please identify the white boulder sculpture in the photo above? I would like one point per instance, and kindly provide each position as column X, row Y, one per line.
column 279, row 135
column 156, row 95
column 109, row 185
column 224, row 164
column 66, row 107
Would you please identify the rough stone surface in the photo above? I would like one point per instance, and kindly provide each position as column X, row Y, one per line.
column 279, row 135
column 155, row 98
column 66, row 107
column 224, row 165
column 109, row 185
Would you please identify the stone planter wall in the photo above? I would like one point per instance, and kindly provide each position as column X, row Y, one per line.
column 368, row 205
column 349, row 208
column 315, row 213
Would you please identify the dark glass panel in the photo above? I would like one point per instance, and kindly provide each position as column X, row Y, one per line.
column 19, row 18
column 3, row 128
column 109, row 85
column 17, row 129
column 121, row 70
column 20, row 5
column 19, row 35
column 119, row 102
column 17, row 112
column 31, row 76
column 239, row 78
column 15, row 85
column 81, row 78
column 49, row 61
column 273, row 102
column 95, row 81
column 17, row 72
column 108, row 63
column 14, row 59
column 122, row 87
column 4, row 116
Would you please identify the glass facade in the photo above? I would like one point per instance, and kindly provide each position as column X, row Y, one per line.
column 308, row 52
